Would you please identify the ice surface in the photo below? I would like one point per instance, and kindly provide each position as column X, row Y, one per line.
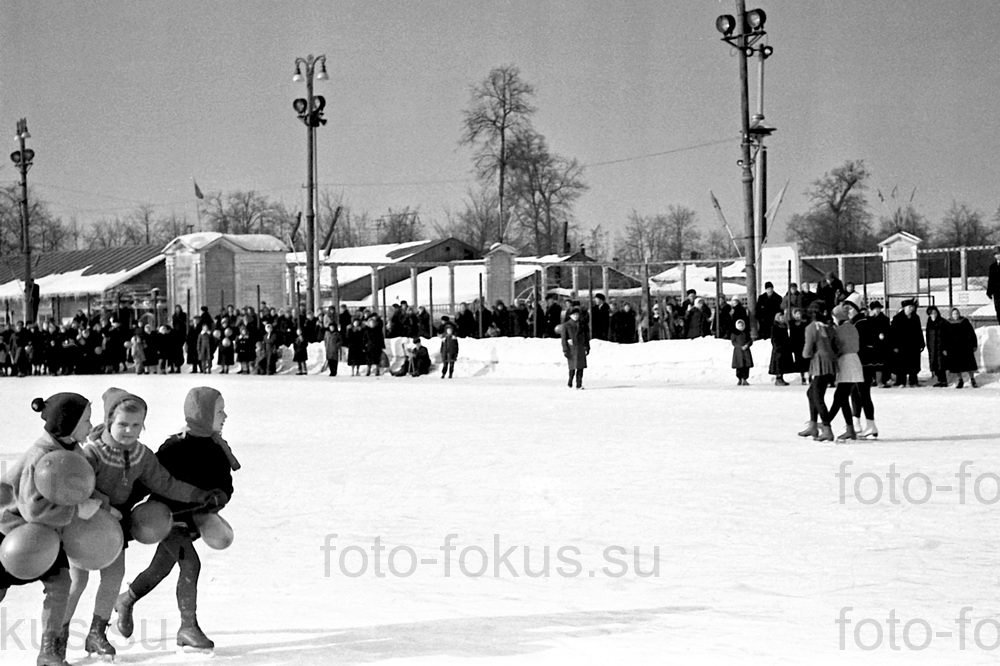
column 759, row 551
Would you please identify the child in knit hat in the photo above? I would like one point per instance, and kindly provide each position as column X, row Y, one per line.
column 67, row 422
column 120, row 460
column 198, row 455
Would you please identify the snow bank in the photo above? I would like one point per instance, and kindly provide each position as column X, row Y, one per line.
column 670, row 361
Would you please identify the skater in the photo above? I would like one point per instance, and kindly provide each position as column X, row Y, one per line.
column 449, row 351
column 331, row 345
column 742, row 358
column 199, row 456
column 575, row 346
column 861, row 401
column 850, row 375
column 960, row 346
column 119, row 460
column 935, row 335
column 67, row 422
column 781, row 351
column 818, row 348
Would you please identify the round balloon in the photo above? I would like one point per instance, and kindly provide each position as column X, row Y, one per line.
column 64, row 477
column 29, row 550
column 95, row 543
column 216, row 532
column 151, row 522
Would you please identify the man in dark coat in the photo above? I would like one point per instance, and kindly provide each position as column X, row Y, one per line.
column 830, row 289
column 623, row 325
column 553, row 315
column 907, row 339
column 768, row 305
column 873, row 337
column 793, row 299
column 600, row 324
column 575, row 346
column 993, row 283
column 466, row 322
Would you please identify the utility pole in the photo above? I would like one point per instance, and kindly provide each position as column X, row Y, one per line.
column 22, row 159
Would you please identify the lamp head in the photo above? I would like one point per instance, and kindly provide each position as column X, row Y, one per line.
column 755, row 19
column 321, row 75
column 726, row 24
column 298, row 78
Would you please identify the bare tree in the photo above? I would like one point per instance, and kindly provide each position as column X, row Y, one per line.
column 839, row 220
column 719, row 245
column 476, row 223
column 682, row 236
column 500, row 105
column 643, row 240
column 963, row 226
column 399, row 227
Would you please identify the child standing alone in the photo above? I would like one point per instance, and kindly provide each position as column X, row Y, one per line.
column 742, row 358
column 200, row 456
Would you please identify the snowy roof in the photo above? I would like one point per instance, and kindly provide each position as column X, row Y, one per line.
column 384, row 254
column 249, row 242
column 78, row 272
column 466, row 284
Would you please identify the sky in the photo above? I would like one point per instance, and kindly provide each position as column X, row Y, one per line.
column 127, row 102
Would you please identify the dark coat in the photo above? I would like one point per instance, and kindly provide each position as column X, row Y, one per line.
column 466, row 323
column 449, row 349
column 623, row 327
column 697, row 322
column 600, row 324
column 355, row 345
column 768, row 305
column 200, row 461
column 374, row 344
column 960, row 345
column 244, row 349
column 907, row 339
column 742, row 358
column 420, row 361
column 300, row 350
column 575, row 344
column 553, row 317
column 936, row 332
column 781, row 351
column 331, row 344
column 873, row 333
column 204, row 347
column 993, row 281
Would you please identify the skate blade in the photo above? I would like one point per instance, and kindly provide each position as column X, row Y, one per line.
column 190, row 649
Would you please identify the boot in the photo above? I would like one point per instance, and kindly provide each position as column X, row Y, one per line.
column 190, row 634
column 825, row 433
column 848, row 434
column 972, row 380
column 857, row 424
column 48, row 653
column 961, row 383
column 123, row 607
column 62, row 641
column 97, row 640
column 810, row 430
column 871, row 430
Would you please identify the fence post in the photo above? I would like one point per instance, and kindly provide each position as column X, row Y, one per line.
column 951, row 299
column 864, row 278
column 963, row 259
column 840, row 267
column 576, row 280
column 430, row 301
column 451, row 289
column 413, row 285
column 374, row 288
column 479, row 317
column 719, row 295
column 258, row 301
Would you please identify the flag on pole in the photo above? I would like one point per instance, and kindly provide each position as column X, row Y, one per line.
column 772, row 212
column 197, row 190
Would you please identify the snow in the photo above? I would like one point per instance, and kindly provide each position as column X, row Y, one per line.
column 759, row 550
column 248, row 242
column 75, row 283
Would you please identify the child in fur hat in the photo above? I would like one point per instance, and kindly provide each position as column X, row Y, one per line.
column 121, row 462
column 67, row 422
column 198, row 455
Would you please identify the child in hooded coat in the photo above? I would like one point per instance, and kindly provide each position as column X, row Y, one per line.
column 67, row 422
column 200, row 456
column 118, row 466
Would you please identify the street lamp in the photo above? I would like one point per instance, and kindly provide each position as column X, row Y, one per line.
column 743, row 32
column 310, row 112
column 22, row 159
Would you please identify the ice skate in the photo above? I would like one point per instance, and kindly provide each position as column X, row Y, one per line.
column 870, row 430
column 810, row 430
column 48, row 653
column 849, row 434
column 190, row 637
column 123, row 607
column 825, row 433
column 97, row 643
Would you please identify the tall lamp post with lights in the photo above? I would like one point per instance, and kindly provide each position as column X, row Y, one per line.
column 310, row 112
column 22, row 159
column 743, row 32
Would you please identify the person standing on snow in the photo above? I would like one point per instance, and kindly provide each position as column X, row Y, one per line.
column 575, row 346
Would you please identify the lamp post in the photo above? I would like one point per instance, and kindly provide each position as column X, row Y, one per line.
column 310, row 112
column 742, row 32
column 22, row 159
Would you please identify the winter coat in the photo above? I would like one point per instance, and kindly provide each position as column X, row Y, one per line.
column 742, row 358
column 227, row 352
column 449, row 349
column 553, row 317
column 196, row 461
column 993, row 281
column 847, row 344
column 961, row 344
column 873, row 334
column 300, row 350
column 936, row 332
column 782, row 360
column 420, row 361
column 139, row 349
column 205, row 347
column 331, row 344
column 907, row 340
column 20, row 500
column 818, row 348
column 466, row 323
column 768, row 305
column 697, row 322
column 655, row 328
column 623, row 327
column 244, row 349
column 600, row 325
column 575, row 344
column 374, row 344
column 355, row 346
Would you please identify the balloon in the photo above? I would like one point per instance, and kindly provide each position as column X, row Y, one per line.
column 64, row 477
column 95, row 543
column 151, row 522
column 216, row 532
column 29, row 550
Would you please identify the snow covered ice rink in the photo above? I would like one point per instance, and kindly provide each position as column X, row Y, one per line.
column 750, row 547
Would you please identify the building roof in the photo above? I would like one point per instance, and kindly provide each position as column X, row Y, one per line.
column 77, row 272
column 248, row 242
